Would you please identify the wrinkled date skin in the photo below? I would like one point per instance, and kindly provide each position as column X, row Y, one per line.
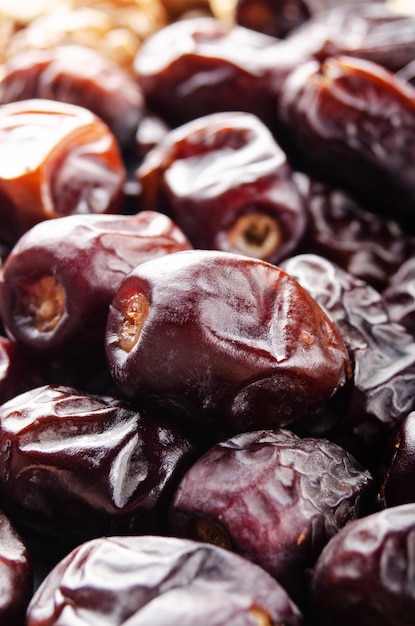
column 398, row 466
column 60, row 277
column 223, row 341
column 350, row 122
column 399, row 295
column 225, row 181
column 382, row 353
column 77, row 75
column 369, row 30
column 159, row 580
column 57, row 159
column 203, row 65
column 279, row 17
column 16, row 575
column 272, row 497
column 362, row 243
column 76, row 466
column 365, row 574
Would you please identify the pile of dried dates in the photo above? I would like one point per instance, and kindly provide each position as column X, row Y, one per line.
column 207, row 313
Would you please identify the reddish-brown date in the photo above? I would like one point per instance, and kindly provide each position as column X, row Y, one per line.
column 338, row 228
column 351, row 122
column 222, row 341
column 398, row 466
column 203, row 65
column 57, row 159
column 16, row 575
column 373, row 30
column 382, row 353
column 365, row 574
column 78, row 75
column 75, row 466
column 272, row 497
column 226, row 182
column 59, row 278
column 159, row 580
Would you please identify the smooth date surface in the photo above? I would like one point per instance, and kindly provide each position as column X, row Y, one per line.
column 222, row 340
column 226, row 182
column 365, row 574
column 57, row 159
column 76, row 466
column 60, row 277
column 272, row 497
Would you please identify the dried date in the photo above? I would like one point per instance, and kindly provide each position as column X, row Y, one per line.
column 365, row 574
column 349, row 122
column 399, row 295
column 159, row 580
column 16, row 575
column 60, row 277
column 77, row 75
column 59, row 159
column 75, row 466
column 224, row 341
column 226, row 182
column 382, row 354
column 273, row 498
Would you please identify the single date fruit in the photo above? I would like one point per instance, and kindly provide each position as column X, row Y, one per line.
column 221, row 340
column 75, row 466
column 365, row 574
column 78, row 75
column 16, row 575
column 350, row 122
column 59, row 278
column 226, row 182
column 159, row 580
column 382, row 353
column 58, row 159
column 272, row 497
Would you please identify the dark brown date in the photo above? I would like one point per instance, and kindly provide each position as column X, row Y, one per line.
column 382, row 353
column 77, row 75
column 60, row 277
column 365, row 574
column 399, row 295
column 226, row 182
column 349, row 122
column 75, row 466
column 18, row 373
column 398, row 466
column 59, row 159
column 198, row 66
column 159, row 580
column 368, row 30
column 16, row 575
column 364, row 244
column 222, row 341
column 272, row 497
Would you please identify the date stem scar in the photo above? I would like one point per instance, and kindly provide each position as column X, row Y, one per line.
column 210, row 532
column 256, row 234
column 44, row 301
column 135, row 314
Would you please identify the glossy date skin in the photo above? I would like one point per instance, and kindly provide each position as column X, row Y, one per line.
column 399, row 295
column 76, row 466
column 159, row 580
column 16, row 575
column 364, row 244
column 222, row 341
column 272, row 497
column 349, row 122
column 382, row 353
column 203, row 65
column 77, row 75
column 227, row 184
column 58, row 159
column 364, row 575
column 398, row 466
column 60, row 277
